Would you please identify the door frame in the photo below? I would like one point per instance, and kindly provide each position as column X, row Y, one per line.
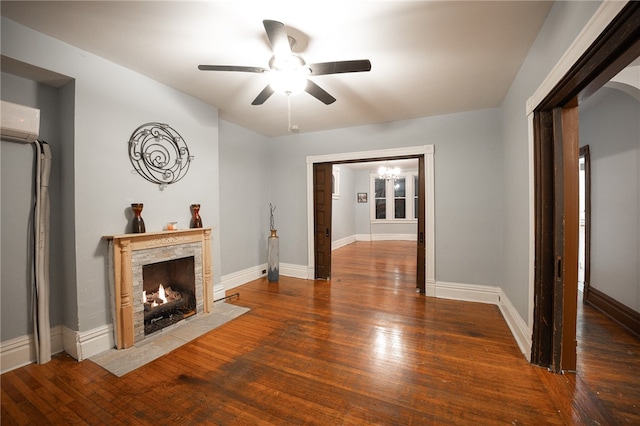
column 429, row 205
column 608, row 43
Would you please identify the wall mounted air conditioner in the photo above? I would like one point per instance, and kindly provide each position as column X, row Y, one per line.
column 19, row 123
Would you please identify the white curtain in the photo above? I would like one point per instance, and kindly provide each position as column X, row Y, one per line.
column 40, row 304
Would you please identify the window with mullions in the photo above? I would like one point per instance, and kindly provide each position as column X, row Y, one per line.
column 399, row 198
column 395, row 199
column 380, row 191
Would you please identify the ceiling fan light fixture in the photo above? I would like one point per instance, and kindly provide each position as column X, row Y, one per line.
column 288, row 82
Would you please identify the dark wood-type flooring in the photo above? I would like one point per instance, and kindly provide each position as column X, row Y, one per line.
column 363, row 348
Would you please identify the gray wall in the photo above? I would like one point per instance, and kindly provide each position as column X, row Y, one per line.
column 245, row 170
column 110, row 103
column 362, row 216
column 565, row 21
column 343, row 215
column 18, row 185
column 468, row 191
column 609, row 125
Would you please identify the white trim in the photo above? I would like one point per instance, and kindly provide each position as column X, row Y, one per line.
column 294, row 271
column 430, row 212
column 394, row 237
column 427, row 151
column 366, row 155
column 218, row 291
column 244, row 276
column 85, row 344
column 519, row 329
column 335, row 173
column 343, row 242
column 238, row 278
column 532, row 233
column 21, row 351
column 371, row 237
column 607, row 11
column 468, row 292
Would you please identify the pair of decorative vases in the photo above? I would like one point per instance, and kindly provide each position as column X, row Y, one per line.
column 137, row 225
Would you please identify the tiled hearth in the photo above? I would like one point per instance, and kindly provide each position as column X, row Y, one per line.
column 130, row 252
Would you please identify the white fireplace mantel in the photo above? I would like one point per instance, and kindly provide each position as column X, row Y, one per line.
column 122, row 247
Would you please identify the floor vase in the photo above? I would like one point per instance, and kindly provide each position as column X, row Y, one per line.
column 273, row 261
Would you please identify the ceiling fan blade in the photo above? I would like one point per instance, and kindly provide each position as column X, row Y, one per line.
column 231, row 68
column 278, row 38
column 319, row 93
column 360, row 65
column 263, row 96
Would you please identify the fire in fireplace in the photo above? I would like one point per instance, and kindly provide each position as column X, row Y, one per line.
column 168, row 293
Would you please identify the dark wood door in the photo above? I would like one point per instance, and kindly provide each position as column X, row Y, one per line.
column 322, row 193
column 567, row 217
column 420, row 271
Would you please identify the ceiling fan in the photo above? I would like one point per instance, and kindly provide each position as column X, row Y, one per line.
column 288, row 71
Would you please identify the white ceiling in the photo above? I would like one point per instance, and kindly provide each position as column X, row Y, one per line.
column 427, row 57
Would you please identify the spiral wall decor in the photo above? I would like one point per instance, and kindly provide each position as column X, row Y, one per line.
column 159, row 154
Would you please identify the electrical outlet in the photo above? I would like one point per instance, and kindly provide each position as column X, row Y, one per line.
column 264, row 271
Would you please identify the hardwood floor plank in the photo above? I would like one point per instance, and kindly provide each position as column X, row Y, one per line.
column 361, row 348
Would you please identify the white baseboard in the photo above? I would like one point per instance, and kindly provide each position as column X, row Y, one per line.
column 85, row 344
column 21, row 351
column 343, row 242
column 238, row 278
column 517, row 325
column 468, row 292
column 394, row 237
column 218, row 291
column 295, row 271
column 386, row 237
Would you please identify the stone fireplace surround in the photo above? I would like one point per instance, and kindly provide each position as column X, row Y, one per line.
column 128, row 253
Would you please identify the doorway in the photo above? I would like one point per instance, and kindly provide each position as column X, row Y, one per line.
column 427, row 209
column 553, row 114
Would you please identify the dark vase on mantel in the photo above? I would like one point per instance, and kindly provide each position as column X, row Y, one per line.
column 137, row 226
column 196, row 220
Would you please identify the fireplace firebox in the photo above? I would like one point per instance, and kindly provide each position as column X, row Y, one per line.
column 168, row 293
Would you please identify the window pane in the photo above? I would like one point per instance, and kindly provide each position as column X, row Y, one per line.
column 400, row 209
column 381, row 208
column 399, row 187
column 380, row 188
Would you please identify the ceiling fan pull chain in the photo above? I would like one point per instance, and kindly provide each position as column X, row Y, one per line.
column 289, row 110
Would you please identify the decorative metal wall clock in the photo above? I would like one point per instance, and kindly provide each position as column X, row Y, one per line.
column 159, row 154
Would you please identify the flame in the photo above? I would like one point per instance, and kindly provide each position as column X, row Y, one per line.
column 161, row 294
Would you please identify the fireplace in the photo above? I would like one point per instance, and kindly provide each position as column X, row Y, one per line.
column 179, row 260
